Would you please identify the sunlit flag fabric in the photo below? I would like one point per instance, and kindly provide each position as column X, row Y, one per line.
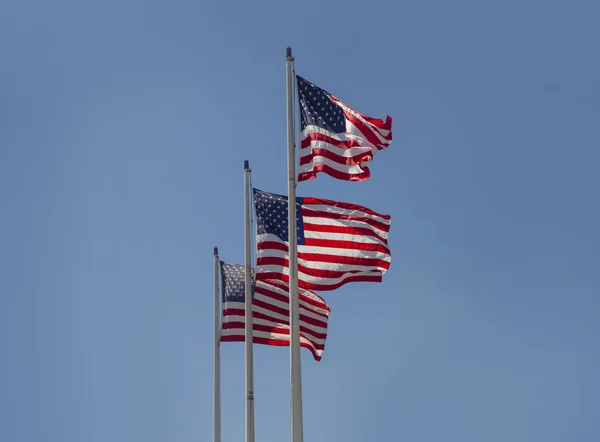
column 336, row 139
column 270, row 316
column 337, row 242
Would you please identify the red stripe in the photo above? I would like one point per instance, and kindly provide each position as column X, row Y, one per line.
column 276, row 245
column 266, row 317
column 370, row 264
column 374, row 277
column 276, row 329
column 341, row 205
column 343, row 230
column 313, row 267
column 367, row 132
column 272, row 245
column 271, row 342
column 386, row 125
column 349, row 260
column 234, row 312
column 328, row 215
column 286, row 331
column 285, row 313
column 271, row 330
column 285, row 300
column 317, row 273
column 231, row 325
column 355, row 160
column 319, row 136
column 348, row 245
column 316, row 168
column 318, row 302
column 259, row 315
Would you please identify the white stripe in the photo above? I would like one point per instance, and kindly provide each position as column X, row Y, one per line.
column 321, row 312
column 275, row 320
column 313, row 129
column 380, row 132
column 352, row 133
column 342, row 211
column 307, row 333
column 316, row 279
column 240, row 331
column 285, row 308
column 274, row 336
column 278, row 318
column 331, row 251
column 322, row 265
column 352, row 224
column 362, row 239
column 353, row 170
column 234, row 305
column 325, row 265
column 346, row 152
column 285, row 292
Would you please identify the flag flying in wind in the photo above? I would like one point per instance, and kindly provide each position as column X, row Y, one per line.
column 337, row 242
column 270, row 316
column 337, row 139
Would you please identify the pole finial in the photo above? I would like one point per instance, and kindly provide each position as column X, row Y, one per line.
column 288, row 52
column 216, row 251
column 246, row 165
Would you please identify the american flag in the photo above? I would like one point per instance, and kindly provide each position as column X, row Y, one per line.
column 270, row 316
column 337, row 242
column 337, row 139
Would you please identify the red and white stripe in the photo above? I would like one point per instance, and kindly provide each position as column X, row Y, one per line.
column 342, row 243
column 343, row 156
column 270, row 318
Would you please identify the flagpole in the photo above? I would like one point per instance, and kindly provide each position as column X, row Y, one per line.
column 248, row 307
column 297, row 433
column 217, row 357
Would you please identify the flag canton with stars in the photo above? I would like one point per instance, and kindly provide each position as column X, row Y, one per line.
column 318, row 109
column 272, row 215
column 234, row 282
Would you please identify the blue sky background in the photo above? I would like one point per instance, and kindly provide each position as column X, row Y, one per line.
column 123, row 130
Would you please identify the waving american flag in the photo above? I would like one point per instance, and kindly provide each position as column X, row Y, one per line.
column 270, row 315
column 337, row 140
column 337, row 242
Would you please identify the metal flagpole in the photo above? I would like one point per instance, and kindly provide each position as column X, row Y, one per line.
column 217, row 357
column 248, row 306
column 297, row 433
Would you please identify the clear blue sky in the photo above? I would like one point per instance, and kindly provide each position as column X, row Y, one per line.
column 123, row 130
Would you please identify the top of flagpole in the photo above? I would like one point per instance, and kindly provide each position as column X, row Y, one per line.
column 288, row 53
column 216, row 251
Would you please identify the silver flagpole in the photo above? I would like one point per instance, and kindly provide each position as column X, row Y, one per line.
column 248, row 295
column 297, row 433
column 217, row 357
